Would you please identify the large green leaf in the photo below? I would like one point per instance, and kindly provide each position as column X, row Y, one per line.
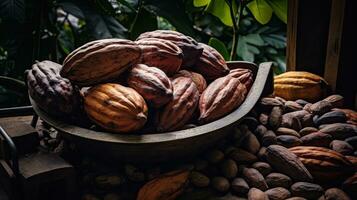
column 71, row 8
column 254, row 39
column 243, row 50
column 145, row 21
column 277, row 41
column 280, row 8
column 200, row 3
column 219, row 46
column 261, row 11
column 220, row 9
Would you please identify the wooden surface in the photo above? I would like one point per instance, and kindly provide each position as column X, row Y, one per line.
column 293, row 6
column 163, row 146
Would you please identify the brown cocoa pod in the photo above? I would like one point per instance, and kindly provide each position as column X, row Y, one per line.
column 284, row 161
column 245, row 76
column 196, row 78
column 278, row 180
column 256, row 194
column 267, row 103
column 278, row 193
column 324, row 164
column 263, row 167
column 220, row 184
column 250, row 143
column 199, row 180
column 160, row 53
column 167, row 186
column 291, row 106
column 275, row 117
column 190, row 48
column 317, row 139
column 320, row 107
column 100, row 61
column 229, row 168
column 263, row 118
column 307, row 130
column 242, row 156
column 51, row 92
column 307, row 190
column 331, row 117
column 221, row 97
column 254, row 178
column 180, row 109
column 288, row 141
column 152, row 84
column 341, row 147
column 240, row 186
column 287, row 131
column 336, row 194
column 335, row 100
column 211, row 63
column 340, row 131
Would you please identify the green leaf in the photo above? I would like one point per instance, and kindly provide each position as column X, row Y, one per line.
column 200, row 3
column 255, row 39
column 146, row 21
column 261, row 11
column 220, row 9
column 280, row 8
column 253, row 49
column 277, row 41
column 71, row 8
column 219, row 46
column 243, row 51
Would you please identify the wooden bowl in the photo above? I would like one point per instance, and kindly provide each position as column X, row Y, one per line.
column 153, row 148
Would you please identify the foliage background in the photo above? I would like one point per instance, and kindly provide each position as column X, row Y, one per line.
column 50, row 29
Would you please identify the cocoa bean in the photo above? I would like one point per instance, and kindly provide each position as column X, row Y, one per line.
column 242, row 156
column 304, row 118
column 287, row 131
column 335, row 100
column 267, row 103
column 307, row 106
column 238, row 135
column 256, row 194
column 229, row 168
column 340, row 130
column 275, row 117
column 263, row 118
column 296, row 198
column 240, row 186
column 282, row 100
column 331, row 117
column 286, row 162
column 278, row 180
column 108, row 181
column 199, row 180
column 266, row 137
column 341, row 147
column 352, row 141
column 336, row 194
column 251, row 143
column 320, row 107
column 229, row 149
column 254, row 178
column 317, row 139
column 291, row 106
column 307, row 130
column 301, row 102
column 263, row 167
column 251, row 122
column 134, row 174
column 215, row 156
column 220, row 184
column 306, row 190
column 288, row 141
column 278, row 193
column 261, row 153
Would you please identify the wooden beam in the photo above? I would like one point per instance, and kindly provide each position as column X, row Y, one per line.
column 292, row 35
column 334, row 42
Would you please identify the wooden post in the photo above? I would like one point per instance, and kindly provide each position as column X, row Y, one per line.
column 292, row 35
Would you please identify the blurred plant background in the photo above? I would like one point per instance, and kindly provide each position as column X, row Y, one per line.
column 250, row 30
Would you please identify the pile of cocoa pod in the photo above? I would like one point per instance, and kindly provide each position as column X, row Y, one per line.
column 292, row 150
column 160, row 82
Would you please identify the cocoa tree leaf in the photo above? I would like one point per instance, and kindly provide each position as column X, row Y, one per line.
column 275, row 40
column 254, row 39
column 261, row 11
column 200, row 3
column 220, row 9
column 219, row 46
column 71, row 8
column 280, row 8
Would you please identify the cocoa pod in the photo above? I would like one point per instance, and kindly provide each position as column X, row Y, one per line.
column 287, row 131
column 341, row 147
column 335, row 100
column 263, row 118
column 221, row 97
column 287, row 162
column 51, row 92
column 250, row 143
column 211, row 63
column 340, row 131
column 275, row 117
column 116, row 102
column 254, row 178
column 263, row 167
column 245, row 76
column 320, row 108
column 152, row 84
column 278, row 193
column 336, row 194
column 190, row 48
column 307, row 130
column 256, row 194
column 288, row 141
column 278, row 180
column 199, row 180
column 291, row 106
column 267, row 103
column 162, row 54
column 180, row 109
column 317, row 139
column 331, row 117
column 100, row 61
column 352, row 141
column 167, row 186
column 220, row 184
column 196, row 78
column 324, row 164
column 240, row 186
column 242, row 156
column 229, row 168
column 307, row 190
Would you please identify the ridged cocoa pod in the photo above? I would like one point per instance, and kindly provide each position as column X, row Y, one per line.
column 152, row 84
column 100, row 61
column 221, row 97
column 190, row 48
column 324, row 164
column 116, row 108
column 211, row 64
column 162, row 54
column 51, row 92
column 196, row 78
column 166, row 187
column 180, row 109
column 245, row 76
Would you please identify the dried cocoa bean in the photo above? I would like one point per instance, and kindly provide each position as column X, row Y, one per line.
column 301, row 102
column 220, row 184
column 317, row 139
column 286, row 162
column 341, row 147
column 267, row 103
column 307, row 190
column 263, row 167
column 275, row 117
column 307, row 130
column 335, row 100
column 261, row 153
column 254, row 178
column 267, row 137
column 330, row 118
column 251, row 143
column 256, row 194
column 263, row 118
column 251, row 122
column 340, row 131
column 215, row 156
column 229, row 169
column 352, row 141
column 108, row 181
column 278, row 180
column 291, row 106
column 304, row 118
column 336, row 194
column 282, row 100
column 199, row 180
column 296, row 198
column 287, row 131
column 320, row 107
column 242, row 156
column 350, row 114
column 240, row 186
column 278, row 193
column 288, row 141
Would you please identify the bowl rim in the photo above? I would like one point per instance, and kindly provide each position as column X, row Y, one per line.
column 261, row 76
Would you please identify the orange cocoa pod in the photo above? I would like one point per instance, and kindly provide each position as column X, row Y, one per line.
column 245, row 76
column 162, row 54
column 221, row 97
column 196, row 78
